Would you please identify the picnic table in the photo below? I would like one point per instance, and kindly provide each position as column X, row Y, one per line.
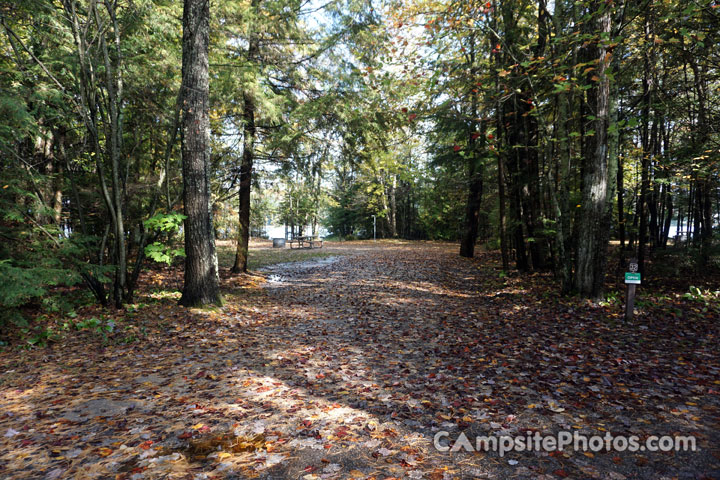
column 306, row 242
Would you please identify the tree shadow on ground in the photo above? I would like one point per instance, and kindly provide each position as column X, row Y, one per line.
column 350, row 369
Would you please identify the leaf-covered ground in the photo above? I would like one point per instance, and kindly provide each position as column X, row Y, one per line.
column 346, row 368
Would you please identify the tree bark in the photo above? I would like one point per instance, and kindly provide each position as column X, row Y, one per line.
column 248, row 158
column 668, row 218
column 646, row 153
column 703, row 212
column 92, row 98
column 621, row 202
column 243, row 239
column 472, row 210
column 475, row 174
column 393, row 206
column 503, row 217
column 592, row 234
column 201, row 275
column 114, row 86
column 560, row 176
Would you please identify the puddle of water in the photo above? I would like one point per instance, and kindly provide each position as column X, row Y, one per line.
column 282, row 273
column 304, row 265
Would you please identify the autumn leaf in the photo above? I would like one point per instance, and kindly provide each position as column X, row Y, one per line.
column 104, row 452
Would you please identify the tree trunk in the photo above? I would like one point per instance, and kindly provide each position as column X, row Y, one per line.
column 668, row 218
column 201, row 274
column 621, row 202
column 592, row 234
column 560, row 185
column 472, row 210
column 475, row 175
column 243, row 239
column 393, row 206
column 504, row 250
column 694, row 213
column 114, row 87
column 643, row 201
column 703, row 212
column 652, row 204
column 92, row 101
column 503, row 217
column 680, row 223
column 248, row 158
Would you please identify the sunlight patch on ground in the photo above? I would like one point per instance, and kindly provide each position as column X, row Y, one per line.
column 166, row 295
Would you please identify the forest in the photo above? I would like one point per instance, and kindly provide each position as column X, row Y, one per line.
column 542, row 130
column 455, row 156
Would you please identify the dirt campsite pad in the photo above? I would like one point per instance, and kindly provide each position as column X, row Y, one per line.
column 347, row 365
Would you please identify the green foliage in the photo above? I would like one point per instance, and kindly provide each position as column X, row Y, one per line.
column 165, row 222
column 442, row 202
column 704, row 296
column 612, row 297
column 39, row 336
column 38, row 263
column 168, row 224
column 345, row 214
column 23, row 285
column 20, row 285
column 358, row 114
column 163, row 253
column 96, row 324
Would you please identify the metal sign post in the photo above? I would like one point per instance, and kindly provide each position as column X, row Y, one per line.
column 632, row 279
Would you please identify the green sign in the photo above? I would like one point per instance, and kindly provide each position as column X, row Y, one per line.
column 633, row 278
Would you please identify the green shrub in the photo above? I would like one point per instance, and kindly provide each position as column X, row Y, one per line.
column 25, row 284
column 166, row 225
column 702, row 296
